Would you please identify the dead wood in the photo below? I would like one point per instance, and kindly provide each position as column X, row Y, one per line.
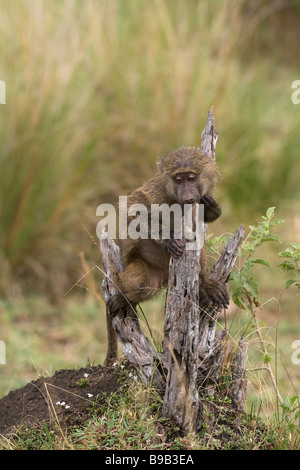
column 134, row 344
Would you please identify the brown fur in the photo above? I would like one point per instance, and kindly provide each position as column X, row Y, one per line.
column 185, row 175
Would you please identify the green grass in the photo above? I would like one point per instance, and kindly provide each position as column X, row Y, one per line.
column 41, row 339
column 130, row 419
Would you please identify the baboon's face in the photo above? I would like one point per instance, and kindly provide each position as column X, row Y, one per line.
column 188, row 188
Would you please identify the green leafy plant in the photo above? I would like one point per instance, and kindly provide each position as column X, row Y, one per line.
column 291, row 406
column 246, row 291
column 291, row 264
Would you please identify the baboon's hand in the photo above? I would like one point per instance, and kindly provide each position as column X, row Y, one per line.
column 208, row 201
column 114, row 305
column 212, row 210
column 118, row 304
column 213, row 292
column 174, row 247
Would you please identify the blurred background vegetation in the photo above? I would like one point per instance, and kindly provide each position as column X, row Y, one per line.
column 96, row 92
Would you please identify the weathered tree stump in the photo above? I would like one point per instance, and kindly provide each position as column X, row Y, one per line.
column 189, row 369
column 135, row 346
column 181, row 334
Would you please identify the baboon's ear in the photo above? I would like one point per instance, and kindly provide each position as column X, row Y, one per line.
column 159, row 165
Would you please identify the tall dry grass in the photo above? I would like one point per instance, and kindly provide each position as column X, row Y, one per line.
column 97, row 90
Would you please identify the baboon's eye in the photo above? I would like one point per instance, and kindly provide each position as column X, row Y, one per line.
column 177, row 179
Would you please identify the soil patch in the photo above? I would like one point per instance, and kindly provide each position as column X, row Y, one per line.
column 64, row 397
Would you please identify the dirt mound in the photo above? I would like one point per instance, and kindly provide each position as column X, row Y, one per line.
column 62, row 397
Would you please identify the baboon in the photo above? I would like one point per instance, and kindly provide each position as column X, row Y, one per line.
column 184, row 176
